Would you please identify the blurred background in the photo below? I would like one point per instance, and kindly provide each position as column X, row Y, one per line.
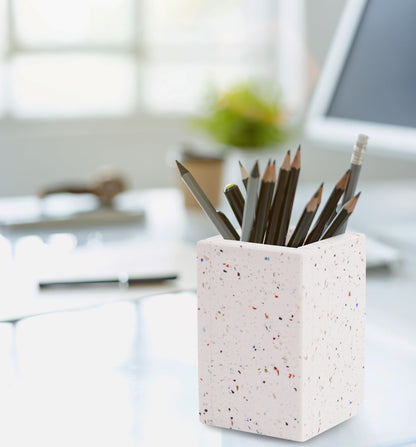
column 97, row 99
column 90, row 83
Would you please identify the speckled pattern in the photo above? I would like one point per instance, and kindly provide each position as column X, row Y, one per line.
column 281, row 335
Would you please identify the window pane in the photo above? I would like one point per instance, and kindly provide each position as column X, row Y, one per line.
column 171, row 88
column 72, row 85
column 54, row 22
column 224, row 22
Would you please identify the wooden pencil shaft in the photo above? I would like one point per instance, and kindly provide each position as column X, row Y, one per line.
column 205, row 204
column 349, row 193
column 301, row 229
column 357, row 159
column 244, row 175
column 251, row 204
column 236, row 200
column 288, row 205
column 341, row 217
column 329, row 208
column 263, row 208
column 229, row 225
column 352, row 183
column 276, row 208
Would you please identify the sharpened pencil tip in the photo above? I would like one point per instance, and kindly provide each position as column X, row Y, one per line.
column 244, row 173
column 255, row 171
column 296, row 160
column 342, row 182
column 269, row 174
column 350, row 205
column 181, row 167
column 286, row 162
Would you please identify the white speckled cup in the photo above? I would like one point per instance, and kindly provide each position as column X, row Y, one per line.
column 281, row 335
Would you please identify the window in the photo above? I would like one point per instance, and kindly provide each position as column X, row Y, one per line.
column 91, row 58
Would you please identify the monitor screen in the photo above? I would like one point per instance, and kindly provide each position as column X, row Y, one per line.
column 378, row 79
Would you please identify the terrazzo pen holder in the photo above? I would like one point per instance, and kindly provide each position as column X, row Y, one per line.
column 281, row 335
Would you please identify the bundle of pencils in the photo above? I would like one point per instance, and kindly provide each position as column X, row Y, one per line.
column 265, row 212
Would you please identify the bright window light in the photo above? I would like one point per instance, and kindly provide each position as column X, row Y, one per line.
column 121, row 58
column 72, row 85
column 52, row 22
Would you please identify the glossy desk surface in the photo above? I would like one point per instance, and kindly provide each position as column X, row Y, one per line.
column 125, row 373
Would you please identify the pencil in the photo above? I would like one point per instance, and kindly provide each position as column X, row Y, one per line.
column 244, row 175
column 357, row 159
column 263, row 204
column 276, row 208
column 341, row 218
column 306, row 219
column 229, row 225
column 289, row 198
column 204, row 202
column 122, row 279
column 329, row 208
column 236, row 200
column 251, row 203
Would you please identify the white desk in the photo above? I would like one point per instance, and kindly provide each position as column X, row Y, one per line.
column 125, row 373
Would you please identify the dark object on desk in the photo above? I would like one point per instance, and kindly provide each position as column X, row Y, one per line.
column 106, row 185
column 122, row 280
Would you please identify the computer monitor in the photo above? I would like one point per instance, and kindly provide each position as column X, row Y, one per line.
column 368, row 82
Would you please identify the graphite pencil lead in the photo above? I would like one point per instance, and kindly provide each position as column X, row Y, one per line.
column 182, row 169
column 342, row 182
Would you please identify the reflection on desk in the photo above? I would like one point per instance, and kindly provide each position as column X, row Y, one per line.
column 125, row 374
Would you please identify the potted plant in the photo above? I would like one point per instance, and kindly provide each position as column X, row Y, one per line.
column 245, row 119
column 247, row 116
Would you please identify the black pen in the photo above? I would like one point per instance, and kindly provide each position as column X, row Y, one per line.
column 122, row 280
